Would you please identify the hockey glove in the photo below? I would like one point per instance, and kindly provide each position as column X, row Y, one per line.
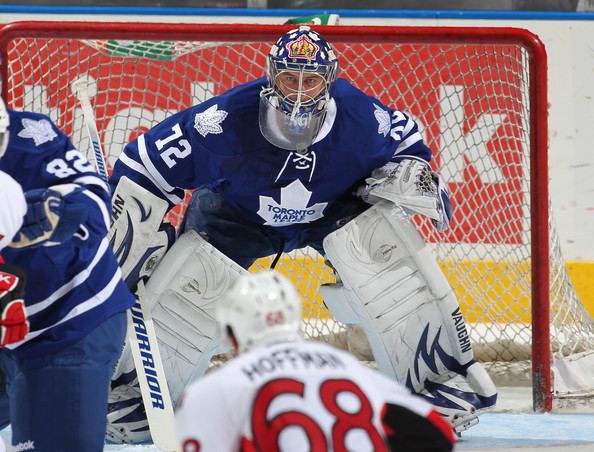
column 13, row 318
column 412, row 185
column 51, row 218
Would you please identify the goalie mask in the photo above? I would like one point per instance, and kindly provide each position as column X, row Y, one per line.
column 4, row 123
column 260, row 308
column 302, row 69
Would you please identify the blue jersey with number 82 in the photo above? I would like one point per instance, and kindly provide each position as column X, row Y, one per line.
column 74, row 286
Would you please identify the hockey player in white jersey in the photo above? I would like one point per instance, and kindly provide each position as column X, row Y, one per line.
column 13, row 205
column 13, row 319
column 286, row 394
column 57, row 360
column 291, row 160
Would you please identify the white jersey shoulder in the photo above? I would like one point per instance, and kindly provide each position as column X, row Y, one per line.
column 12, row 208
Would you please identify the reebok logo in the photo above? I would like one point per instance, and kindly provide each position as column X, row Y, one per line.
column 27, row 445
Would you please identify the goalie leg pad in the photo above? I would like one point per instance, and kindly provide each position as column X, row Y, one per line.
column 137, row 235
column 185, row 290
column 388, row 275
column 396, row 291
column 182, row 294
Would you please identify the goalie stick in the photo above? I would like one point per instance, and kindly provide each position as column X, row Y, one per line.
column 140, row 330
column 80, row 89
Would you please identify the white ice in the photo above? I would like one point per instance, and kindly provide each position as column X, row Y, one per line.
column 513, row 427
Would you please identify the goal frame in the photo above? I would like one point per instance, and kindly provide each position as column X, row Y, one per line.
column 538, row 120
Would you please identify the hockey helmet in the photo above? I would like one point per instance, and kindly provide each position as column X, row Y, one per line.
column 4, row 123
column 260, row 308
column 302, row 71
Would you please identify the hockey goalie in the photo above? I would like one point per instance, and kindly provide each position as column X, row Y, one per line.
column 298, row 158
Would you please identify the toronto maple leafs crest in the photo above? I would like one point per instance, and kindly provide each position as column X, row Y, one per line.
column 292, row 208
column 40, row 131
column 383, row 120
column 209, row 121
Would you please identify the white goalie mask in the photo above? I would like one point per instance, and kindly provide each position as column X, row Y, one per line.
column 4, row 123
column 302, row 70
column 261, row 308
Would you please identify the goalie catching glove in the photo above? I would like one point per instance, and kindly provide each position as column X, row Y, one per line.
column 51, row 218
column 13, row 318
column 413, row 186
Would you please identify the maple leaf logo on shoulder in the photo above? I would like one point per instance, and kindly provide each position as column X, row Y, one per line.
column 383, row 119
column 209, row 121
column 40, row 131
column 292, row 208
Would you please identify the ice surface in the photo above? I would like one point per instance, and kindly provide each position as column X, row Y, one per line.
column 512, row 428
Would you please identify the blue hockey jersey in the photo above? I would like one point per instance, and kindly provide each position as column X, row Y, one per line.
column 218, row 144
column 74, row 286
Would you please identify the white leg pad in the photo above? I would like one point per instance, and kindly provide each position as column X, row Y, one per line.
column 396, row 291
column 184, row 290
column 393, row 286
column 182, row 294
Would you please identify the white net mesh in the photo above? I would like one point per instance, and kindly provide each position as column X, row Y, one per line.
column 471, row 102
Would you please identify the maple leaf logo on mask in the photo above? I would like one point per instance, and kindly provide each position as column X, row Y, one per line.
column 292, row 208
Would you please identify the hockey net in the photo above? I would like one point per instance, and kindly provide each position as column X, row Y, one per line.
column 479, row 97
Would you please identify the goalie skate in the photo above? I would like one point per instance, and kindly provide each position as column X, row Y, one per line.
column 458, row 400
column 126, row 417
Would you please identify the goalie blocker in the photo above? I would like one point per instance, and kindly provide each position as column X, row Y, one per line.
column 393, row 287
column 138, row 236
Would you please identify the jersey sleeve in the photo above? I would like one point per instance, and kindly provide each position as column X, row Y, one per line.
column 407, row 429
column 165, row 160
column 409, row 142
column 12, row 210
column 399, row 133
column 389, row 132
column 410, row 422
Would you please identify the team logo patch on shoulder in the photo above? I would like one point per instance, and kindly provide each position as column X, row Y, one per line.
column 40, row 131
column 209, row 121
column 303, row 48
column 383, row 120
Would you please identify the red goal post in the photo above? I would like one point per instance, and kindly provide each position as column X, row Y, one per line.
column 479, row 94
